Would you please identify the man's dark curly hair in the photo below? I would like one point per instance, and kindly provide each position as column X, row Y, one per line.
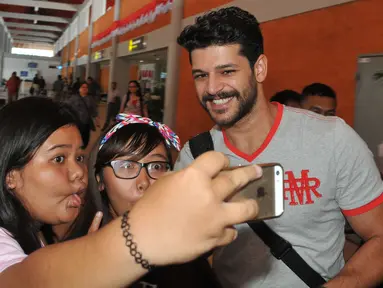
column 222, row 27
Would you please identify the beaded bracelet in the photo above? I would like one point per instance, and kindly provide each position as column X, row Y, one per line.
column 125, row 226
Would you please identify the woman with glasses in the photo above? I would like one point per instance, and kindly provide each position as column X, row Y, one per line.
column 131, row 157
column 133, row 102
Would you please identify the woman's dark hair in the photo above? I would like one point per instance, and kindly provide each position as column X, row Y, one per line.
column 285, row 96
column 318, row 89
column 223, row 27
column 25, row 125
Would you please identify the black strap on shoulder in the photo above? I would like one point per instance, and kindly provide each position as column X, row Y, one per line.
column 283, row 250
column 200, row 144
column 279, row 247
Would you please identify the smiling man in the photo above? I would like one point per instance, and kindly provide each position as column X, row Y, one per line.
column 329, row 171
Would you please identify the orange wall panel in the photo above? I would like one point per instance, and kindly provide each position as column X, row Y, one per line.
column 63, row 72
column 64, row 55
column 128, row 7
column 193, row 7
column 318, row 46
column 133, row 72
column 72, row 47
column 102, row 24
column 323, row 46
column 104, row 78
column 70, row 73
column 191, row 117
column 161, row 21
column 83, row 43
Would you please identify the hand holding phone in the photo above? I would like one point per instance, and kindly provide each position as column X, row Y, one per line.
column 267, row 191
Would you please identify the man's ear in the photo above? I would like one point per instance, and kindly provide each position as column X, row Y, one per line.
column 260, row 69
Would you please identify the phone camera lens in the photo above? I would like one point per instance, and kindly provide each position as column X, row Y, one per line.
column 277, row 173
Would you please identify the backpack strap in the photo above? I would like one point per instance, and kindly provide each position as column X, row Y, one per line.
column 200, row 144
column 279, row 247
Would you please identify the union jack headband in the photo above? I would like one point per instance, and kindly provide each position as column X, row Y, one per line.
column 170, row 137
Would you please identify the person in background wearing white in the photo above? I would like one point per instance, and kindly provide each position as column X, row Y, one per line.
column 113, row 105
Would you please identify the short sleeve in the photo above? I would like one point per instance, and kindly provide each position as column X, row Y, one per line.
column 185, row 158
column 359, row 183
column 10, row 251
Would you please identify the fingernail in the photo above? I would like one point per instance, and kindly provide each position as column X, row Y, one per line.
column 258, row 169
column 99, row 214
column 235, row 235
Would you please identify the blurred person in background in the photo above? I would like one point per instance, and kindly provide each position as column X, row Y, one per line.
column 288, row 97
column 42, row 85
column 319, row 98
column 86, row 107
column 13, row 86
column 133, row 101
column 113, row 106
column 76, row 85
column 94, row 89
column 58, row 87
column 35, row 85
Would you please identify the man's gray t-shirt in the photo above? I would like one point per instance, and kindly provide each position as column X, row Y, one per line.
column 329, row 171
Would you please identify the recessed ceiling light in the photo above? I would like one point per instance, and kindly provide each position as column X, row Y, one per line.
column 141, row 61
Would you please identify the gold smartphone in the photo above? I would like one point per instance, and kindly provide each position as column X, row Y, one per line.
column 267, row 191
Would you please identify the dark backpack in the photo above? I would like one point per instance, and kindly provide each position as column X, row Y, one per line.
column 279, row 247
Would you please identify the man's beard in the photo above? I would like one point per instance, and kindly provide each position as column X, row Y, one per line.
column 246, row 101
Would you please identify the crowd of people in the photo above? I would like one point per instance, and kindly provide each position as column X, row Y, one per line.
column 316, row 97
column 13, row 87
column 121, row 216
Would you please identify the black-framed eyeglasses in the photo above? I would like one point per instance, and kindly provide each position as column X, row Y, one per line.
column 129, row 169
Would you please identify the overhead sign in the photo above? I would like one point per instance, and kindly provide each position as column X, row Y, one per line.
column 32, row 65
column 98, row 55
column 137, row 44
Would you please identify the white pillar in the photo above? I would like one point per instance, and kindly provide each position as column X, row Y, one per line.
column 76, row 46
column 90, row 35
column 172, row 80
column 68, row 60
column 3, row 38
column 113, row 56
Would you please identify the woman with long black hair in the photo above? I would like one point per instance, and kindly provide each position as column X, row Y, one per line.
column 133, row 102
